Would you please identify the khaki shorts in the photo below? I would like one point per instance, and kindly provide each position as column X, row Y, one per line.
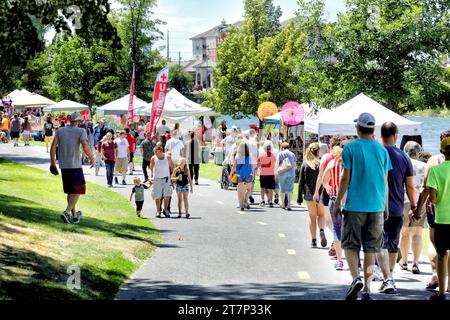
column 48, row 139
column 363, row 229
column 121, row 165
column 406, row 221
column 161, row 188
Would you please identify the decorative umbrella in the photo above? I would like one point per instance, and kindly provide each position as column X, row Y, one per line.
column 267, row 109
column 292, row 113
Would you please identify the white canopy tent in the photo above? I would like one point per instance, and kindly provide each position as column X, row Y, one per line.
column 341, row 119
column 66, row 105
column 16, row 94
column 26, row 99
column 120, row 106
column 179, row 109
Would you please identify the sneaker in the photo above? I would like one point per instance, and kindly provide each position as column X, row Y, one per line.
column 313, row 243
column 377, row 274
column 271, row 204
column 138, row 215
column 196, row 183
column 332, row 252
column 252, row 201
column 366, row 296
column 388, row 287
column 323, row 239
column 187, row 215
column 247, row 207
column 242, row 209
column 158, row 214
column 277, row 199
column 116, row 180
column 438, row 297
column 352, row 293
column 415, row 269
column 65, row 217
column 77, row 217
column 262, row 203
column 110, row 185
column 403, row 266
column 339, row 265
column 289, row 209
column 124, row 183
column 166, row 213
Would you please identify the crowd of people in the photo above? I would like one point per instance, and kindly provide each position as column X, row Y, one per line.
column 370, row 194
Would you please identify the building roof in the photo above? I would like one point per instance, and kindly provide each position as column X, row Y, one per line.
column 188, row 65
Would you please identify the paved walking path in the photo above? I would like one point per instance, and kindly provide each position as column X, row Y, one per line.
column 222, row 254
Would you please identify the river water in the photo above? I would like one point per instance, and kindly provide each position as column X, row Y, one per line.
column 432, row 128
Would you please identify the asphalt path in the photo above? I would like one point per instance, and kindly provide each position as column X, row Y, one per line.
column 222, row 253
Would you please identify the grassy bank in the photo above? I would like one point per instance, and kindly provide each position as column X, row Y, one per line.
column 37, row 248
column 432, row 113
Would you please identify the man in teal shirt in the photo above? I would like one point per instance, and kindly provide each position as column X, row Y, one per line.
column 366, row 164
column 439, row 184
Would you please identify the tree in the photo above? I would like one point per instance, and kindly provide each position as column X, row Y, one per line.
column 23, row 23
column 256, row 64
column 180, row 80
column 384, row 46
column 138, row 30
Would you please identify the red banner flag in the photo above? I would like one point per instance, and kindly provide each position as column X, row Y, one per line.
column 159, row 97
column 130, row 104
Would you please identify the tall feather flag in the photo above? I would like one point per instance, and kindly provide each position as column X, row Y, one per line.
column 131, row 102
column 159, row 97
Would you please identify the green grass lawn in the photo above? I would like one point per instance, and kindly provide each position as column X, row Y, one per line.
column 36, row 248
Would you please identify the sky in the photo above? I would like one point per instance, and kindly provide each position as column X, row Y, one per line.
column 187, row 18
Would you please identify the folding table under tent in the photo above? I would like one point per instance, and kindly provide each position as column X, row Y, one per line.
column 66, row 105
column 341, row 119
column 120, row 107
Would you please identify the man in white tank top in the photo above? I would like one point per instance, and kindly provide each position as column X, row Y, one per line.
column 160, row 167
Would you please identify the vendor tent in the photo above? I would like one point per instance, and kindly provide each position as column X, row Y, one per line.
column 16, row 94
column 120, row 106
column 66, row 105
column 341, row 119
column 26, row 99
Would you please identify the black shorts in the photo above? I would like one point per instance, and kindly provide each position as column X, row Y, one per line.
column 392, row 228
column 15, row 134
column 73, row 181
column 442, row 238
column 267, row 182
column 139, row 205
column 324, row 198
column 430, row 218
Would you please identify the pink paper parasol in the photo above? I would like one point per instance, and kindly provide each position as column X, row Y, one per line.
column 292, row 113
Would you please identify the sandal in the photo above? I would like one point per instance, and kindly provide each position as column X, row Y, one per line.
column 433, row 285
column 179, row 215
column 187, row 215
column 415, row 269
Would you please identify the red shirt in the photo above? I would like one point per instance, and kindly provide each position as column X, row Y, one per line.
column 335, row 180
column 131, row 142
column 109, row 149
column 266, row 162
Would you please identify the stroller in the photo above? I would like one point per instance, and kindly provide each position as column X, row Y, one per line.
column 225, row 180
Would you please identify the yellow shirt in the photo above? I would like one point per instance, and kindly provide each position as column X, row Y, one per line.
column 5, row 124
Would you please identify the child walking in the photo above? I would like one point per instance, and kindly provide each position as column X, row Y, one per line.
column 98, row 162
column 138, row 191
column 182, row 177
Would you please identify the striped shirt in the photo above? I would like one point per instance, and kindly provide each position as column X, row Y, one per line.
column 109, row 150
column 335, row 174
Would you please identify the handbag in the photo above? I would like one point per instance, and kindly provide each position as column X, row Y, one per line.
column 285, row 166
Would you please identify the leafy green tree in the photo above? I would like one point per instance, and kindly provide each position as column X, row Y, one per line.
column 23, row 23
column 384, row 46
column 180, row 80
column 256, row 64
column 138, row 30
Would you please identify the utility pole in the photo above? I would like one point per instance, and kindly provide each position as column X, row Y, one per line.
column 179, row 58
column 168, row 45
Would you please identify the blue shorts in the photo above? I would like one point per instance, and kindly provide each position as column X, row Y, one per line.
column 337, row 222
column 183, row 188
column 287, row 183
column 245, row 180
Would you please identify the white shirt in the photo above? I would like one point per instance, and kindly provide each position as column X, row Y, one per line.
column 174, row 146
column 122, row 148
column 228, row 143
column 142, row 132
column 253, row 149
column 419, row 172
column 162, row 129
